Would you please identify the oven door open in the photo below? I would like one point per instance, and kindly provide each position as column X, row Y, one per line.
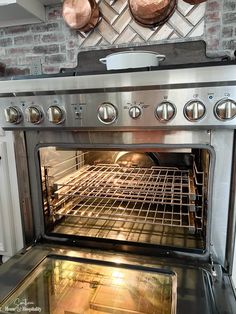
column 66, row 284
column 57, row 279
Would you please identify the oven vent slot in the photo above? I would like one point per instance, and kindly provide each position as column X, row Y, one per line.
column 164, row 196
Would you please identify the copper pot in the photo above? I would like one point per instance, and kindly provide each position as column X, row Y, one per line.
column 150, row 13
column 81, row 15
column 194, row 1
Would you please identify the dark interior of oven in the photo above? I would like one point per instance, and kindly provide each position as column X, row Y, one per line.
column 157, row 197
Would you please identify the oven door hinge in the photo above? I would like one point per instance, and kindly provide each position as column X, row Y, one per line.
column 30, row 246
column 213, row 269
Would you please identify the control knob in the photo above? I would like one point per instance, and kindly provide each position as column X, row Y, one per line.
column 135, row 112
column 13, row 115
column 55, row 115
column 194, row 110
column 225, row 109
column 107, row 113
column 34, row 115
column 165, row 111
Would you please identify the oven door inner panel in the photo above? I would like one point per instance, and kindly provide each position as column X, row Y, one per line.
column 61, row 286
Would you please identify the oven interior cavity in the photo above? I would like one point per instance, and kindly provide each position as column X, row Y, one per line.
column 154, row 197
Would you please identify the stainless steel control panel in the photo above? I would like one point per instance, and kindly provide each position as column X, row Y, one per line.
column 189, row 107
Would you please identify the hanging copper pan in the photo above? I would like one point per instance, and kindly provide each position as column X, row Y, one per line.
column 194, row 1
column 81, row 15
column 151, row 13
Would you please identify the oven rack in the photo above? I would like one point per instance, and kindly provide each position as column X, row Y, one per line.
column 157, row 195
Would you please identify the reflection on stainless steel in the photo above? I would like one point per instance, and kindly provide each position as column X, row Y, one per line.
column 75, row 287
column 166, row 78
column 108, row 110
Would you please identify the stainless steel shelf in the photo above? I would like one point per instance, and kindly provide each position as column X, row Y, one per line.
column 157, row 195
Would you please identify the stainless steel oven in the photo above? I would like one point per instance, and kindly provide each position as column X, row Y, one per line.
column 127, row 190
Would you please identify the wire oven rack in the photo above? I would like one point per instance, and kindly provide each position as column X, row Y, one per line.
column 156, row 195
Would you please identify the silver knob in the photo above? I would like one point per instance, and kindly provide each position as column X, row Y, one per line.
column 13, row 115
column 225, row 109
column 135, row 112
column 194, row 110
column 107, row 113
column 165, row 111
column 55, row 115
column 34, row 115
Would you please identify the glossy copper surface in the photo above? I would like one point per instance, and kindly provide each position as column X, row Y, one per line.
column 82, row 15
column 150, row 13
column 193, row 2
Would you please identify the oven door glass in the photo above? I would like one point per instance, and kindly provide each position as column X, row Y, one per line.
column 156, row 198
column 59, row 286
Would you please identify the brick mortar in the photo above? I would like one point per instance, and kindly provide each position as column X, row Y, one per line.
column 56, row 46
column 223, row 42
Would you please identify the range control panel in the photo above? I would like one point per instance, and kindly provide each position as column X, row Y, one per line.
column 199, row 107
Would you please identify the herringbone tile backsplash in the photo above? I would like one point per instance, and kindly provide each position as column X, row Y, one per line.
column 117, row 26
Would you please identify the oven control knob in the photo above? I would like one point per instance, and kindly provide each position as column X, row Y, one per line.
column 13, row 115
column 107, row 113
column 194, row 110
column 34, row 115
column 55, row 115
column 135, row 112
column 225, row 109
column 165, row 111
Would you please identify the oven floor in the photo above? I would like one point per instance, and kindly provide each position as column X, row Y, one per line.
column 127, row 231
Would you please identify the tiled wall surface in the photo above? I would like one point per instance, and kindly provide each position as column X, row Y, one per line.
column 54, row 45
column 120, row 28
